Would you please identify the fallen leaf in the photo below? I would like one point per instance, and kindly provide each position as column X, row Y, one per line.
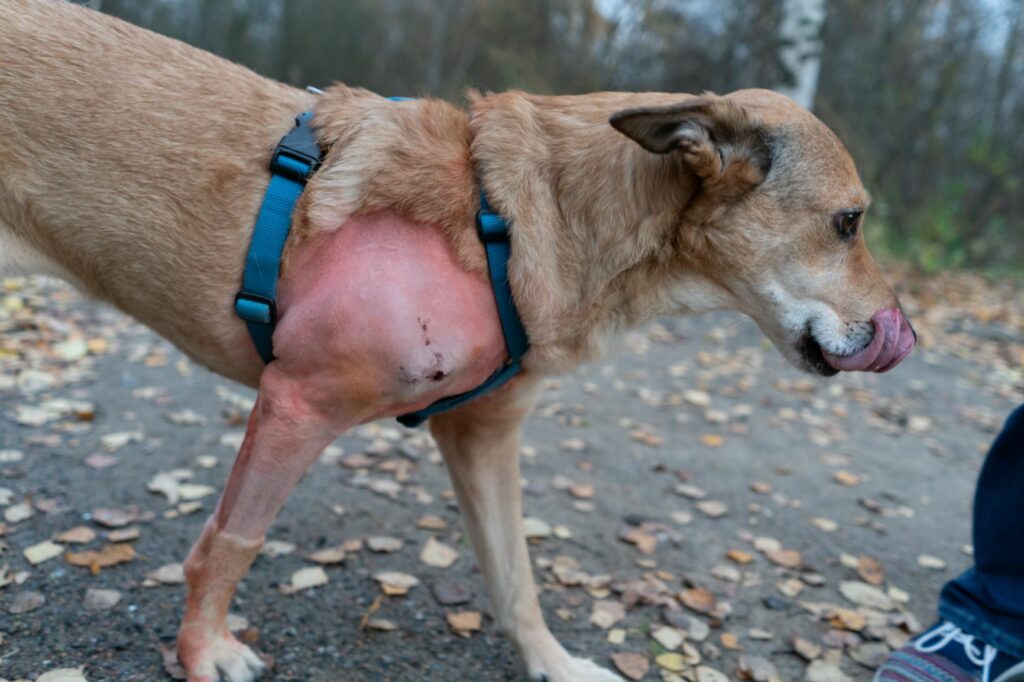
column 395, row 583
column 671, row 661
column 383, row 544
column 691, row 491
column 124, row 534
column 23, row 602
column 195, row 491
column 168, row 574
column 381, row 624
column 820, row 671
column 432, row 523
column 328, row 556
column 63, row 675
column 930, row 562
column 787, row 558
column 730, row 641
column 607, row 613
column 438, row 554
column 44, row 551
column 870, row 571
column 109, row 555
column 100, row 600
column 706, row 674
column 304, row 579
column 825, row 525
column 18, row 512
column 866, row 595
column 464, row 623
column 114, row 518
column 713, row 508
column 276, row 548
column 806, row 649
column 79, row 535
column 633, row 666
column 116, row 441
column 871, row 655
column 757, row 669
column 847, row 479
column 698, row 599
column 536, row 528
column 670, row 638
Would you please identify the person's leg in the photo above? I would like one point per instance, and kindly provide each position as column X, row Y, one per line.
column 981, row 634
column 988, row 599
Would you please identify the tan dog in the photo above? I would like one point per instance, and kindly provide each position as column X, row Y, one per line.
column 133, row 166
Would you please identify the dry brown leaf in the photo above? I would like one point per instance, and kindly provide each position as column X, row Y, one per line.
column 437, row 554
column 464, row 623
column 79, row 535
column 109, row 555
column 870, row 570
column 634, row 666
column 787, row 558
column 698, row 599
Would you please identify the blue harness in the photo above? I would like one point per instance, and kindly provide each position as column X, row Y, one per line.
column 296, row 157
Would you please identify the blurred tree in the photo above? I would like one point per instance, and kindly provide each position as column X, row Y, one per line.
column 926, row 93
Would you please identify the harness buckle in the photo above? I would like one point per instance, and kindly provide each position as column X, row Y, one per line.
column 255, row 308
column 297, row 155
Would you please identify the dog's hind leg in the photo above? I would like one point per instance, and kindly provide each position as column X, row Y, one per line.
column 480, row 444
column 285, row 435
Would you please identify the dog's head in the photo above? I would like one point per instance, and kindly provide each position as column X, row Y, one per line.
column 775, row 225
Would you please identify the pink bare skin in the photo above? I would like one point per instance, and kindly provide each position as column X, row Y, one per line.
column 376, row 319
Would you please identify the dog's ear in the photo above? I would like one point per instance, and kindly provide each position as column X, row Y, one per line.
column 712, row 132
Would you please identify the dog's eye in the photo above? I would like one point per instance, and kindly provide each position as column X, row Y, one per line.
column 846, row 223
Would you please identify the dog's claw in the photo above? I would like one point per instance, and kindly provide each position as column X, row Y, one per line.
column 221, row 659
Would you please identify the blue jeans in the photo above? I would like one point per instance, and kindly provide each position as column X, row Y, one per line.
column 988, row 600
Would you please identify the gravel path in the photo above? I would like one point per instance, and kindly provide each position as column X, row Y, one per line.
column 693, row 484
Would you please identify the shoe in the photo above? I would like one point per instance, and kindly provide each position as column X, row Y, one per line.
column 945, row 653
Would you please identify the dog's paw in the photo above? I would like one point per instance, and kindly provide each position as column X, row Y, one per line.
column 218, row 659
column 576, row 670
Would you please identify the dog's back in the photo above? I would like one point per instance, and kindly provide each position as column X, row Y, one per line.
column 121, row 151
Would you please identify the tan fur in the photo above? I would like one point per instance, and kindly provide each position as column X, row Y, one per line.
column 137, row 175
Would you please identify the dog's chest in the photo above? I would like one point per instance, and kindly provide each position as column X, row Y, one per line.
column 385, row 299
column 18, row 258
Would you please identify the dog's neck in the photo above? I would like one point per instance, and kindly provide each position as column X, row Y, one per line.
column 594, row 216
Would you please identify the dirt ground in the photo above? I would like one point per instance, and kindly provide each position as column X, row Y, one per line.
column 695, row 502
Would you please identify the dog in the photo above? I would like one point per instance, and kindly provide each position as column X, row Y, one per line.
column 133, row 166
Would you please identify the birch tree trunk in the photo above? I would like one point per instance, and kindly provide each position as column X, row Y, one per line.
column 800, row 54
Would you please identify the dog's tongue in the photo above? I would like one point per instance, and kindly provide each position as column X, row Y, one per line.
column 893, row 340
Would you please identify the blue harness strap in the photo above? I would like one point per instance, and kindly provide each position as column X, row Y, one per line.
column 295, row 159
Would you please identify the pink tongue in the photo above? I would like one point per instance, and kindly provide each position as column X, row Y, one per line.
column 892, row 342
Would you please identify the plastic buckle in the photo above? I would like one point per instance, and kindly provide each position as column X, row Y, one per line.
column 292, row 164
column 491, row 227
column 297, row 155
column 255, row 308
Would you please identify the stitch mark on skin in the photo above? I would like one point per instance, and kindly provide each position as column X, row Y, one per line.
column 406, row 377
column 423, row 327
column 438, row 374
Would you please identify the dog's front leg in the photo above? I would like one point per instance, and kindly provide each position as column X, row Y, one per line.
column 283, row 438
column 480, row 444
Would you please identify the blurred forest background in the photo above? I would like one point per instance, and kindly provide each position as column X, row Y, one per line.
column 927, row 94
